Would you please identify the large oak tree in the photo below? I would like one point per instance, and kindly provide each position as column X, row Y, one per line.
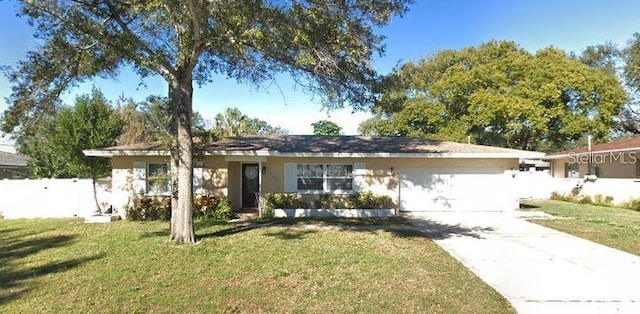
column 499, row 94
column 326, row 45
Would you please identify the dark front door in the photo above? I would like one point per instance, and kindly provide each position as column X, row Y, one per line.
column 250, row 185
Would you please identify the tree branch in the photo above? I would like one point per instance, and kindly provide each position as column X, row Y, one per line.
column 197, row 48
column 166, row 67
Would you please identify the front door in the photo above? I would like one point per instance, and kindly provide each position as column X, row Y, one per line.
column 250, row 185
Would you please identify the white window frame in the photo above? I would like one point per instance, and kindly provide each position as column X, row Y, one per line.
column 325, row 177
column 149, row 179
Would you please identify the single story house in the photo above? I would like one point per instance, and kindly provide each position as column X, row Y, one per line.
column 13, row 165
column 418, row 174
column 618, row 159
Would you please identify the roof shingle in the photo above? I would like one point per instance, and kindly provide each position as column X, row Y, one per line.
column 625, row 144
column 13, row 160
column 325, row 144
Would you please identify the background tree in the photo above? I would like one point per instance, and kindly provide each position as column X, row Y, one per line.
column 325, row 45
column 499, row 94
column 91, row 123
column 232, row 122
column 55, row 148
column 326, row 128
column 148, row 121
column 603, row 56
column 630, row 117
column 45, row 159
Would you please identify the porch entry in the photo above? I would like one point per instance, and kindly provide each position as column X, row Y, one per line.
column 250, row 185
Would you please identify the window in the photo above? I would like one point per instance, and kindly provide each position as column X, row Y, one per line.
column 571, row 170
column 324, row 177
column 158, row 178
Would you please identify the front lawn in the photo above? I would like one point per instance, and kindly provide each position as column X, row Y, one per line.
column 614, row 227
column 315, row 266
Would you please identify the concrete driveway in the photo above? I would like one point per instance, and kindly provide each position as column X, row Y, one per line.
column 539, row 270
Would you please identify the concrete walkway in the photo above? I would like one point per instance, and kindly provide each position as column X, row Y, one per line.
column 539, row 270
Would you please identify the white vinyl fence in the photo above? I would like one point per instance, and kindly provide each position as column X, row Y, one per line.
column 541, row 185
column 52, row 198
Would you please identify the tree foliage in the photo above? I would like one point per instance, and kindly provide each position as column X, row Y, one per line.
column 232, row 122
column 148, row 121
column 630, row 56
column 55, row 148
column 45, row 160
column 624, row 62
column 326, row 45
column 326, row 128
column 498, row 94
column 603, row 56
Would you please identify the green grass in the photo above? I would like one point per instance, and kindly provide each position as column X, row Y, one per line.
column 614, row 227
column 69, row 266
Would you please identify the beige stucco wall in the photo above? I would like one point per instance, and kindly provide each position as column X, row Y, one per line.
column 215, row 177
column 377, row 177
column 235, row 185
column 615, row 165
column 223, row 178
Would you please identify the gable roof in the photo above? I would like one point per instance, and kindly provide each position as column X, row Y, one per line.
column 326, row 146
column 629, row 144
column 12, row 160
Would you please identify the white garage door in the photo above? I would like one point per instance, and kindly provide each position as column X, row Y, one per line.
column 463, row 188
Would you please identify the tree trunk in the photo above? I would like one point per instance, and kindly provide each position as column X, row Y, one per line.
column 180, row 94
column 175, row 160
column 95, row 194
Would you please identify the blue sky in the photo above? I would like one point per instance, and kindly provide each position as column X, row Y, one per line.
column 428, row 27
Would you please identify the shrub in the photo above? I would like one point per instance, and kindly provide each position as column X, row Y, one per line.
column 150, row 208
column 159, row 208
column 633, row 204
column 601, row 200
column 223, row 210
column 360, row 200
column 562, row 197
column 267, row 213
column 204, row 206
column 367, row 200
column 585, row 200
column 329, row 201
column 283, row 200
column 598, row 199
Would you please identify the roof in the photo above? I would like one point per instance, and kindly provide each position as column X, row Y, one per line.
column 12, row 160
column 629, row 144
column 326, row 146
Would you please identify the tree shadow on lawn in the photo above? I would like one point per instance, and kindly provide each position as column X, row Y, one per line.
column 297, row 228
column 196, row 224
column 289, row 234
column 234, row 228
column 17, row 280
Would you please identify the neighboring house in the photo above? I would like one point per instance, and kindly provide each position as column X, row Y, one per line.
column 418, row 174
column 618, row 159
column 13, row 165
column 608, row 170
